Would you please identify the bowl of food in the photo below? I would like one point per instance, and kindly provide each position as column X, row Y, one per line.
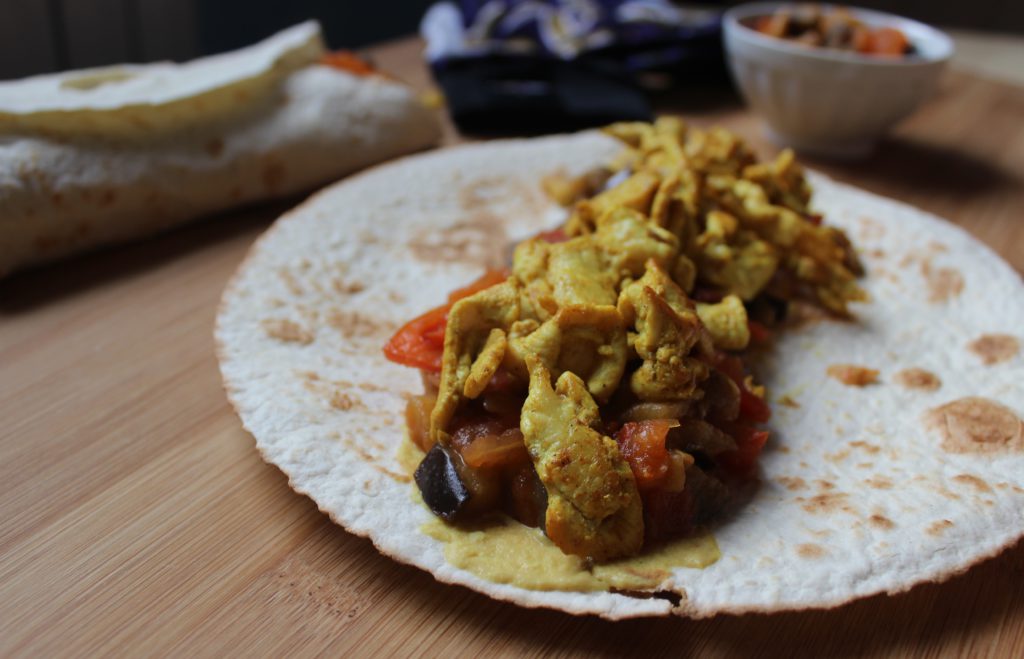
column 828, row 79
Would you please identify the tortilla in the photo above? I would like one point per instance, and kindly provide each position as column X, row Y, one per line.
column 865, row 490
column 104, row 155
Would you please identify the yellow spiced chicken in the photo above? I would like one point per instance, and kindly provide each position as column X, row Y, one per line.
column 596, row 388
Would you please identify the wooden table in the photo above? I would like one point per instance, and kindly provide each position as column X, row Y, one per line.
column 137, row 518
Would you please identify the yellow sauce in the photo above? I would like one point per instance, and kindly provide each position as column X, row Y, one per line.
column 502, row 550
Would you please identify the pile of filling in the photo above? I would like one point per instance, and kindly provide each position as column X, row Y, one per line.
column 597, row 389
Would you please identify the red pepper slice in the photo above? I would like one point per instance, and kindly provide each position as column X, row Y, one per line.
column 742, row 462
column 642, row 444
column 420, row 342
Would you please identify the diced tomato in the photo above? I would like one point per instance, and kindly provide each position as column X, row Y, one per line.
column 667, row 514
column 753, row 408
column 642, row 444
column 420, row 342
column 346, row 60
column 554, row 236
column 742, row 462
column 417, row 344
column 888, row 41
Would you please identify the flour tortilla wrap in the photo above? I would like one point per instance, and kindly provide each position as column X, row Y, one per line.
column 103, row 155
column 862, row 490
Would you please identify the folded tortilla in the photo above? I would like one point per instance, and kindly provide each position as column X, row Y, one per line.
column 864, row 490
column 104, row 155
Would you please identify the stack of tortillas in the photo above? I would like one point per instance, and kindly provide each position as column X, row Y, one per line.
column 864, row 489
column 96, row 156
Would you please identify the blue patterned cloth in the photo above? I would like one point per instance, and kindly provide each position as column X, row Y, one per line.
column 643, row 34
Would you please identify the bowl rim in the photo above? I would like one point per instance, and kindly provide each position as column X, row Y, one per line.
column 732, row 24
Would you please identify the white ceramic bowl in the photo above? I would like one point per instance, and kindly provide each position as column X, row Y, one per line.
column 831, row 102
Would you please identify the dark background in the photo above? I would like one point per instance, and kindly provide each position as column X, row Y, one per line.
column 38, row 36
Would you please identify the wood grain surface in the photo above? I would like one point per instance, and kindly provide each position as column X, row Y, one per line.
column 136, row 517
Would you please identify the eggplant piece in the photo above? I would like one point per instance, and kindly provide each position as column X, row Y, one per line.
column 440, row 483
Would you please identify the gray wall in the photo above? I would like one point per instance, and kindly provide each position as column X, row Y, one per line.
column 38, row 36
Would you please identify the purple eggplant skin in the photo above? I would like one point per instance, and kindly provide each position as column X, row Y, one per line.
column 442, row 488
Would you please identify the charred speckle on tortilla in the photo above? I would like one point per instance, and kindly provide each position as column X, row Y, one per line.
column 286, row 330
column 598, row 389
column 976, row 425
column 852, row 374
column 974, row 481
column 808, row 550
column 917, row 378
column 939, row 527
column 995, row 348
column 881, row 521
column 944, row 284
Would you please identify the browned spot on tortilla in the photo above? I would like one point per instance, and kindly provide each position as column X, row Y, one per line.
column 373, row 463
column 286, row 330
column 353, row 323
column 867, row 447
column 825, row 485
column 824, row 503
column 974, row 481
column 273, row 174
column 879, row 483
column 791, row 483
column 788, row 402
column 944, row 284
column 342, row 401
column 838, row 456
column 290, row 281
column 396, row 297
column 936, row 246
column 479, row 240
column 976, row 425
column 881, row 521
column 939, row 527
column 311, row 376
column 782, row 449
column 853, row 375
column 875, row 253
column 346, row 287
column 917, row 378
column 995, row 348
column 807, row 550
column 871, row 229
column 214, row 147
column 865, row 465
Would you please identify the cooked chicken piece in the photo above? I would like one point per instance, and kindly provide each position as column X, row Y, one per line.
column 594, row 508
column 629, row 240
column 734, row 259
column 467, row 338
column 590, row 341
column 635, row 193
column 667, row 331
column 726, row 322
column 578, row 274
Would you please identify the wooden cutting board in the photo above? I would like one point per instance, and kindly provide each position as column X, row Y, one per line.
column 137, row 518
